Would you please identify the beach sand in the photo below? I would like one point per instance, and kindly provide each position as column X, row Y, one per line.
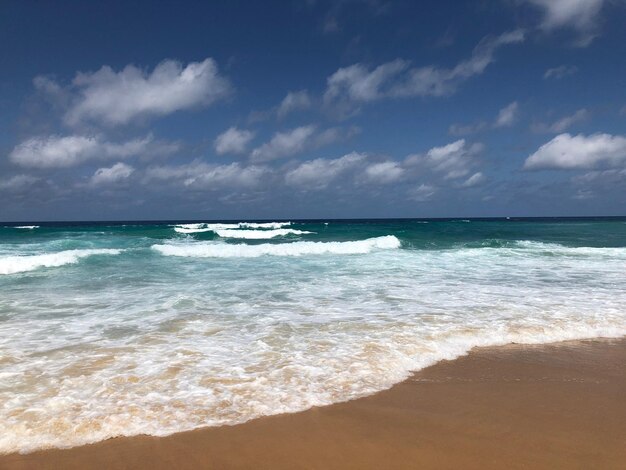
column 551, row 406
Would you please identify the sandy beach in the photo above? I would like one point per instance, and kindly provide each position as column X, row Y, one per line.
column 518, row 406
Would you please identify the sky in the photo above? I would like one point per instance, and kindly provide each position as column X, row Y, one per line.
column 311, row 109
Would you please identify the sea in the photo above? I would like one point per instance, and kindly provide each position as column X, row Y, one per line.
column 118, row 329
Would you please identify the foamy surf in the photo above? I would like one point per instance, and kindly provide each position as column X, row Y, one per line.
column 260, row 234
column 221, row 332
column 20, row 264
column 213, row 227
column 223, row 250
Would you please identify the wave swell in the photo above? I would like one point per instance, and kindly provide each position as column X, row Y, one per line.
column 205, row 227
column 223, row 250
column 20, row 264
column 259, row 234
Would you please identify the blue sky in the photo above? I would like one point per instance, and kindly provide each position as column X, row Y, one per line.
column 312, row 109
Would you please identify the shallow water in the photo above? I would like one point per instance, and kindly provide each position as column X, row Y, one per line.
column 122, row 329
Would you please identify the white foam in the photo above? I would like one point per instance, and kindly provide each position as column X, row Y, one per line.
column 27, row 227
column 187, row 230
column 267, row 225
column 172, row 346
column 206, row 227
column 260, row 234
column 19, row 264
column 223, row 250
column 226, row 226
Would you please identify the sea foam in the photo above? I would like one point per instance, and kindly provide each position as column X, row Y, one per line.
column 19, row 264
column 206, row 227
column 223, row 250
column 154, row 344
column 259, row 234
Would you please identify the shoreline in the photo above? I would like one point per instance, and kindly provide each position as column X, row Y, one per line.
column 515, row 406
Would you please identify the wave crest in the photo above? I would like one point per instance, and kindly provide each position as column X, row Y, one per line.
column 223, row 250
column 259, row 234
column 19, row 264
column 205, row 227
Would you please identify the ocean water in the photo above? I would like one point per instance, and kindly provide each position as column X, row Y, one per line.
column 123, row 329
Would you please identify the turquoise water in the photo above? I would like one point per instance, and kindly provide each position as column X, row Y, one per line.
column 123, row 329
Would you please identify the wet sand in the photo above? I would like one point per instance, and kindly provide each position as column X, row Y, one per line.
column 552, row 406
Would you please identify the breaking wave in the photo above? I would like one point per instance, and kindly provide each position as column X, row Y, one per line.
column 20, row 264
column 223, row 250
column 259, row 234
column 205, row 227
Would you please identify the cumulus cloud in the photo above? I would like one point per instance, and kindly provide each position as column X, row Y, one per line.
column 580, row 15
column 383, row 172
column 116, row 98
column 118, row 172
column 294, row 101
column 358, row 84
column 294, row 141
column 562, row 124
column 205, row 176
column 17, row 182
column 319, row 173
column 559, row 72
column 567, row 152
column 233, row 140
column 284, row 144
column 62, row 152
column 453, row 160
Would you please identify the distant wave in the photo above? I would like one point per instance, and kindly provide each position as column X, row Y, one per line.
column 219, row 225
column 259, row 234
column 19, row 264
column 271, row 225
column 187, row 230
column 27, row 227
column 205, row 227
column 569, row 250
column 222, row 250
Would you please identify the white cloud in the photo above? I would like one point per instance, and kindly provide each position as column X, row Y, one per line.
column 569, row 152
column 507, row 115
column 319, row 173
column 422, row 193
column 284, row 144
column 233, row 140
column 474, row 180
column 204, row 176
column 453, row 160
column 562, row 124
column 119, row 97
column 62, row 152
column 383, row 172
column 17, row 182
column 294, row 101
column 560, row 72
column 358, row 84
column 580, row 15
column 116, row 173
